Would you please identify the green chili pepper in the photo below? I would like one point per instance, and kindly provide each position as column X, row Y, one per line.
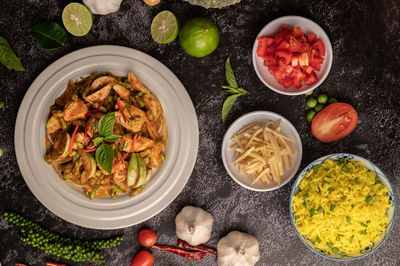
column 362, row 224
column 329, row 244
column 351, row 238
column 332, row 207
column 304, row 204
column 335, row 250
column 312, row 211
column 348, row 219
column 320, row 209
column 357, row 180
column 305, row 195
column 318, row 240
column 330, row 189
column 345, row 168
column 368, row 199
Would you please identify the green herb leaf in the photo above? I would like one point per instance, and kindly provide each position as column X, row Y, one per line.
column 363, row 224
column 352, row 206
column 357, row 180
column 345, row 168
column 318, row 240
column 368, row 199
column 351, row 239
column 106, row 125
column 228, row 106
column 330, row 189
column 332, row 208
column 377, row 180
column 229, row 75
column 49, row 35
column 348, row 219
column 98, row 140
column 112, row 137
column 363, row 232
column 305, row 195
column 105, row 157
column 320, row 209
column 304, row 204
column 341, row 160
column 335, row 250
column 312, row 211
column 8, row 57
column 368, row 221
column 330, row 244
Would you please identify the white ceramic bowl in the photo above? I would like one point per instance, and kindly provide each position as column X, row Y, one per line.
column 166, row 183
column 272, row 29
column 228, row 155
column 391, row 212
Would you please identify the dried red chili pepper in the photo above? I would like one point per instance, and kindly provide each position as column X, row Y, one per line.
column 55, row 264
column 191, row 255
column 204, row 248
column 90, row 150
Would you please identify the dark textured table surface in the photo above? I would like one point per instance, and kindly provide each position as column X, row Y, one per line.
column 365, row 73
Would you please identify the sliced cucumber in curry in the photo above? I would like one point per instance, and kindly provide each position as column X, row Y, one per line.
column 142, row 171
column 89, row 165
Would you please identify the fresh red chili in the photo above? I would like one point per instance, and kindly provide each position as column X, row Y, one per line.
column 55, row 264
column 97, row 109
column 204, row 248
column 71, row 143
column 133, row 142
column 120, row 109
column 90, row 150
column 191, row 255
column 120, row 160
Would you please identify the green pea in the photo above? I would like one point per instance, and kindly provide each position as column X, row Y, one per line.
column 322, row 98
column 311, row 102
column 308, row 93
column 332, row 100
column 319, row 107
column 1, row 104
column 310, row 115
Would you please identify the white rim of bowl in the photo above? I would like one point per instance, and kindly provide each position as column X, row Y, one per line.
column 316, row 85
column 225, row 140
column 383, row 175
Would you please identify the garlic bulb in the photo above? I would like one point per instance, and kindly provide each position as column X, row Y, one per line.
column 103, row 7
column 194, row 225
column 238, row 249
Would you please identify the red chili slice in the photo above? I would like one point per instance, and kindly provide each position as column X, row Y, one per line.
column 133, row 142
column 120, row 109
column 97, row 109
column 71, row 143
column 120, row 160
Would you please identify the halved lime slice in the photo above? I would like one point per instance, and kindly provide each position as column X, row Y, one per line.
column 164, row 28
column 77, row 19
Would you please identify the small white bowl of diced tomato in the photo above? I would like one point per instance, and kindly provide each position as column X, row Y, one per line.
column 292, row 55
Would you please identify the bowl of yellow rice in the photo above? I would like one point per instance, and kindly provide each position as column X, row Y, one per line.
column 342, row 206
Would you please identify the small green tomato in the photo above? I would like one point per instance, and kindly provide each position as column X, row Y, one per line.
column 319, row 107
column 311, row 102
column 322, row 98
column 332, row 100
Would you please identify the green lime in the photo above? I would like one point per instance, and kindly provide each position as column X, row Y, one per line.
column 199, row 37
column 164, row 28
column 77, row 19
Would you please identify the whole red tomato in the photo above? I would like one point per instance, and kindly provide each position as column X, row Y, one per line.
column 147, row 237
column 143, row 258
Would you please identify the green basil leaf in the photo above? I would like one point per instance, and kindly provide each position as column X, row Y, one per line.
column 105, row 157
column 49, row 35
column 8, row 57
column 98, row 140
column 228, row 105
column 106, row 125
column 229, row 75
column 112, row 137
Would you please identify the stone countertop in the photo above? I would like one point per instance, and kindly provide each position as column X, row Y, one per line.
column 365, row 73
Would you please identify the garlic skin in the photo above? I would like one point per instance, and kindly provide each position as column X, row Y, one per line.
column 103, row 7
column 238, row 249
column 194, row 225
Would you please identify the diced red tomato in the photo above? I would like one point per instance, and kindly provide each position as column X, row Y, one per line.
column 319, row 46
column 311, row 78
column 295, row 45
column 283, row 45
column 292, row 57
column 311, row 38
column 297, row 32
column 270, row 61
column 285, row 54
column 334, row 122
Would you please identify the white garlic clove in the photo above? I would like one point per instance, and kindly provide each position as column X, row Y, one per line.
column 103, row 7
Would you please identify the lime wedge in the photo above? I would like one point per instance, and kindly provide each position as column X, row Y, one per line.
column 77, row 19
column 164, row 28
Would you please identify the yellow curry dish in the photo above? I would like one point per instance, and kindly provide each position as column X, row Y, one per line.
column 105, row 134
